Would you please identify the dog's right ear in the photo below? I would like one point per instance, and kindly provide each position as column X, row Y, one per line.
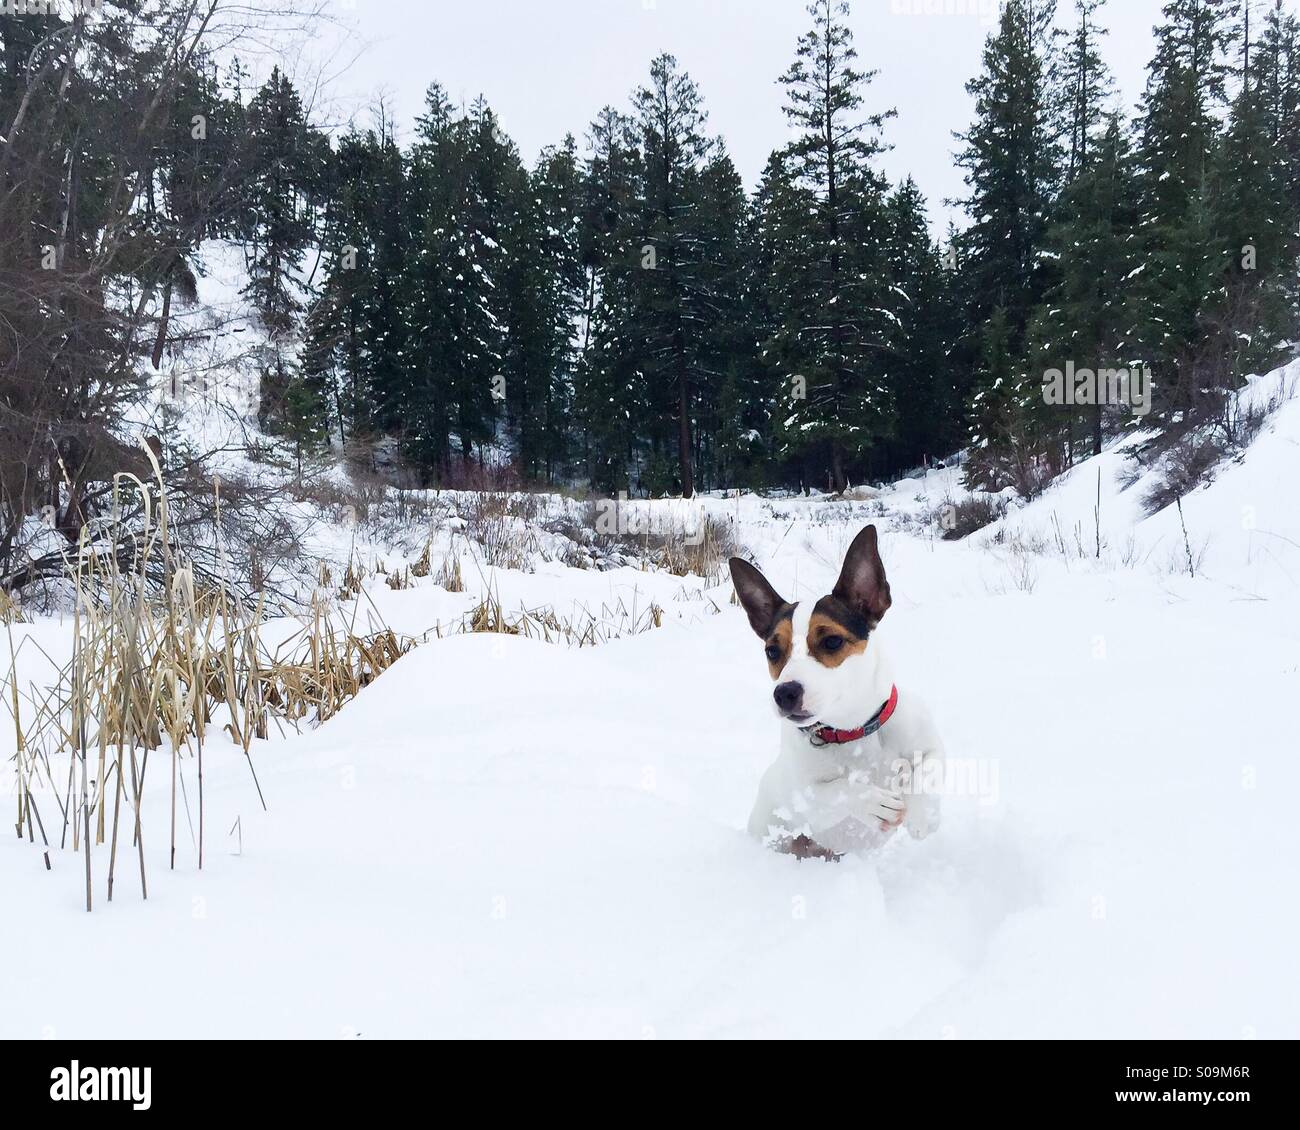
column 759, row 599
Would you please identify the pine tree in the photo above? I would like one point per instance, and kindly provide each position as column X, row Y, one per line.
column 1253, row 316
column 1011, row 156
column 1277, row 70
column 726, row 350
column 1003, row 452
column 1087, row 87
column 838, row 335
column 1083, row 317
column 543, row 287
column 609, row 392
column 671, row 120
column 355, row 340
column 785, row 302
column 453, row 333
column 929, row 396
column 284, row 161
column 1182, row 262
column 1278, row 78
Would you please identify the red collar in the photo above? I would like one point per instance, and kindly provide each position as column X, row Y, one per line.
column 828, row 735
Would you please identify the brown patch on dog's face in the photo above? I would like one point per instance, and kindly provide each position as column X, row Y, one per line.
column 780, row 641
column 835, row 632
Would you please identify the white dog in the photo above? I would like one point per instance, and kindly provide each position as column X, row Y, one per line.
column 856, row 752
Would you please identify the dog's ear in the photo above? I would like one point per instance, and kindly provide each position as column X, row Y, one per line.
column 759, row 599
column 862, row 585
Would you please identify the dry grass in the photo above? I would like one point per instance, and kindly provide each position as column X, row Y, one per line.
column 166, row 660
column 11, row 611
column 424, row 564
column 158, row 669
column 583, row 629
column 449, row 573
column 699, row 547
column 699, row 552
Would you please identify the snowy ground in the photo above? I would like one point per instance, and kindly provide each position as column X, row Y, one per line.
column 501, row 837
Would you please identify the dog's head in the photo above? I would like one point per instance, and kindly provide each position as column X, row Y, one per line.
column 820, row 654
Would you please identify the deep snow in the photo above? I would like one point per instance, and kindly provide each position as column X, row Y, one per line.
column 501, row 837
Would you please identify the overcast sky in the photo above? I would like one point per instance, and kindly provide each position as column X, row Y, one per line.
column 547, row 66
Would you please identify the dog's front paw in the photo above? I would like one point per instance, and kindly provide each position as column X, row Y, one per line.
column 887, row 806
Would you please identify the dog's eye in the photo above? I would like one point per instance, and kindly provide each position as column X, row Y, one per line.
column 773, row 652
column 833, row 643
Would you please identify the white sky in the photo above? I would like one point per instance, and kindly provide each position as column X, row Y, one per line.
column 548, row 66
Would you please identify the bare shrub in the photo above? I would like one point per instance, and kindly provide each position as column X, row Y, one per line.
column 1187, row 464
column 1128, row 475
column 463, row 475
column 506, row 541
column 960, row 519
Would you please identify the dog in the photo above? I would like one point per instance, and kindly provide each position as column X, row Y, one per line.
column 856, row 752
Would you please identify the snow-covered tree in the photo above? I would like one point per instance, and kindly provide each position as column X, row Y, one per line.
column 835, row 330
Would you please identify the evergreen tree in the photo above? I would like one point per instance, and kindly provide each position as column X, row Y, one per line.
column 1278, row 78
column 353, row 359
column 1256, row 216
column 1011, row 156
column 448, row 291
column 837, row 334
column 1083, row 316
column 1002, row 449
column 284, row 161
column 1277, row 69
column 726, row 350
column 785, row 301
column 1182, row 262
column 671, row 119
column 1087, row 87
column 609, row 392
column 543, row 285
column 929, row 397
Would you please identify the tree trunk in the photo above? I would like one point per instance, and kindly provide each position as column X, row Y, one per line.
column 684, row 423
column 163, row 321
column 838, row 480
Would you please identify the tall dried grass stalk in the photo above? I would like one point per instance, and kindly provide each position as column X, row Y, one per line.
column 156, row 663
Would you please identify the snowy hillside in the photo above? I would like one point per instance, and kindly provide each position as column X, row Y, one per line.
column 504, row 836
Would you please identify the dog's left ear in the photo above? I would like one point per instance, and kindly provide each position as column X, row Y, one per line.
column 862, row 585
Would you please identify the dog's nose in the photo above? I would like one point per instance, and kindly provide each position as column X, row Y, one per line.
column 788, row 696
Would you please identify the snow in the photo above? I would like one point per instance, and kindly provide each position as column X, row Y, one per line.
column 502, row 837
